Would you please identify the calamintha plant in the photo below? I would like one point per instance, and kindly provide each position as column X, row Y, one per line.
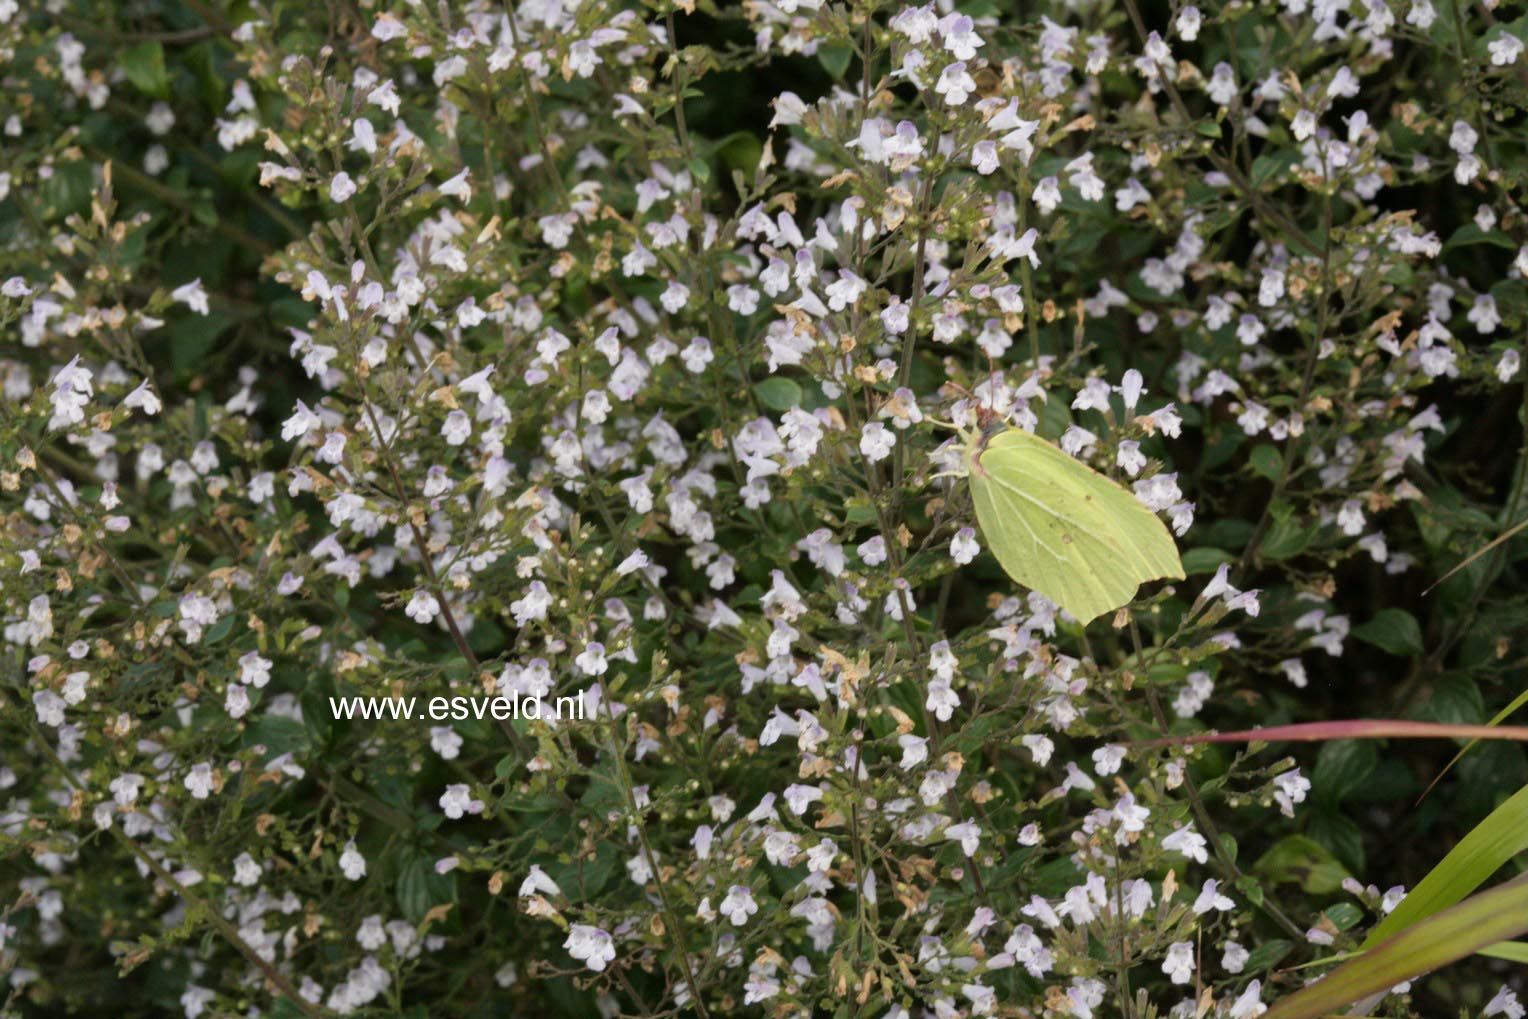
column 373, row 352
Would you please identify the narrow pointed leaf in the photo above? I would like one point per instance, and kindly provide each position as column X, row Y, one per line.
column 1512, row 951
column 1476, row 923
column 1501, row 836
column 1358, row 728
column 1501, row 716
column 1506, row 535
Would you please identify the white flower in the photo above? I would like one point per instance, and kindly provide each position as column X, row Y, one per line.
column 197, row 612
column 1504, row 1003
column 193, row 295
column 423, row 606
column 914, row 751
column 300, row 423
column 963, row 547
column 458, row 187
column 457, row 802
column 73, row 386
column 533, row 605
column 1422, row 14
column 143, row 398
column 1106, row 760
column 1130, row 458
column 1290, row 788
column 457, row 428
column 877, row 441
column 1505, row 49
column 446, row 742
column 1211, row 897
column 537, row 883
column 955, row 84
column 1187, row 23
column 1158, row 493
column 388, row 28
column 341, row 188
column 697, row 355
column 1248, row 1005
column 199, row 780
column 49, row 707
column 125, row 787
column 236, row 701
column 638, row 560
column 590, row 945
column 352, row 863
column 1179, row 964
column 254, row 670
column 246, row 870
column 1188, row 842
column 968, row 834
column 738, row 906
column 591, row 661
column 984, row 157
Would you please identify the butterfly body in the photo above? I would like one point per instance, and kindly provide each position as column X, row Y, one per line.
column 1061, row 528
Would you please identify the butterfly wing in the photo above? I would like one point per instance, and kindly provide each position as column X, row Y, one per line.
column 1059, row 527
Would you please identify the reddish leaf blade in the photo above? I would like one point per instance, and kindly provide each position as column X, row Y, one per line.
column 1358, row 728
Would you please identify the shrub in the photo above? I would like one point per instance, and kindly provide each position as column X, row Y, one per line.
column 603, row 351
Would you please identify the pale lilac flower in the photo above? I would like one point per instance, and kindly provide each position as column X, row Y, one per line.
column 193, row 295
column 590, row 945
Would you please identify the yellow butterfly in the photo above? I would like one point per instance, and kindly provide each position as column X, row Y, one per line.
column 1061, row 528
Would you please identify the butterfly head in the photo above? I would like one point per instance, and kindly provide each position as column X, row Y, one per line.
column 974, row 443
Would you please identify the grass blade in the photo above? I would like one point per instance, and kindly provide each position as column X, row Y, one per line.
column 1461, row 930
column 1512, row 951
column 1501, row 836
column 1506, row 535
column 1358, row 728
column 1501, row 716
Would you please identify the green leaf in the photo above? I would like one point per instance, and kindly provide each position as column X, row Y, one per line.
column 741, row 151
column 220, row 629
column 835, row 60
column 778, row 393
column 1267, row 168
column 1454, row 699
column 1513, row 951
column 1287, row 538
column 1501, row 836
column 192, row 338
column 1267, row 461
column 1472, row 234
column 1392, row 630
column 1344, row 915
column 1341, row 767
column 420, row 889
column 1478, row 922
column 1205, row 560
column 700, row 169
column 1339, row 833
column 1298, row 860
column 144, row 66
column 1268, row 954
